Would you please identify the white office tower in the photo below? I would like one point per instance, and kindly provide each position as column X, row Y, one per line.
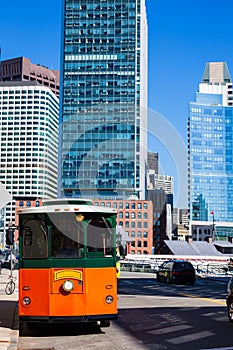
column 29, row 118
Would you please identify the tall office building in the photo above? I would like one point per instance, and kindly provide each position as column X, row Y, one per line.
column 29, row 118
column 153, row 162
column 210, row 147
column 103, row 134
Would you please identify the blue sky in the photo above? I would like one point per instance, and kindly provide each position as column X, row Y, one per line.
column 183, row 36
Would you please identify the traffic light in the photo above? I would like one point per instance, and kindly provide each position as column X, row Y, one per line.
column 10, row 232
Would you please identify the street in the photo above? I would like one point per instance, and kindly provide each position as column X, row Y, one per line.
column 152, row 315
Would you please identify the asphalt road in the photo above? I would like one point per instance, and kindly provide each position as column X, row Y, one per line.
column 152, row 315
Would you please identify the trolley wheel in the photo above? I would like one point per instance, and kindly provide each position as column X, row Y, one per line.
column 10, row 287
column 230, row 310
column 104, row 323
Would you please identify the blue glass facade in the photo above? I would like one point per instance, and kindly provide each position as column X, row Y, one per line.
column 210, row 159
column 102, row 78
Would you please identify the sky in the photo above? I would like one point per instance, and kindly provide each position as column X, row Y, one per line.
column 183, row 37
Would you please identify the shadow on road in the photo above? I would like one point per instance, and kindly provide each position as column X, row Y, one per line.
column 150, row 285
column 61, row 329
column 7, row 313
column 178, row 328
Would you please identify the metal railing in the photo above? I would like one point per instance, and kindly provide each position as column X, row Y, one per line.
column 202, row 266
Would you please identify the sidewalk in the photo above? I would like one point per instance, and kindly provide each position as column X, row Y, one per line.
column 9, row 332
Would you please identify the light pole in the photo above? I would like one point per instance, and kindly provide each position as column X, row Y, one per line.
column 213, row 228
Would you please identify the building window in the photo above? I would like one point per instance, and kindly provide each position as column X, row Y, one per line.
column 126, row 205
column 37, row 203
column 145, row 224
column 145, row 206
column 21, row 203
column 28, row 203
column 139, row 205
column 139, row 234
column 133, row 215
column 133, row 206
column 114, row 205
column 139, row 215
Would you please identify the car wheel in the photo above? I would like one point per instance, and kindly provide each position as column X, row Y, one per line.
column 168, row 280
column 158, row 278
column 230, row 310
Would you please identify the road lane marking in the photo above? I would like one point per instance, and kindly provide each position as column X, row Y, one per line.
column 228, row 348
column 205, row 299
column 190, row 337
column 171, row 329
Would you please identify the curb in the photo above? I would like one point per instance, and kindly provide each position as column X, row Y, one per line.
column 14, row 338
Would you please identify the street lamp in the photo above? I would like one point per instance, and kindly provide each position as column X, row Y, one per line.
column 213, row 228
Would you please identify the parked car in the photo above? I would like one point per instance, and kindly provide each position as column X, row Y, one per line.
column 176, row 271
column 229, row 299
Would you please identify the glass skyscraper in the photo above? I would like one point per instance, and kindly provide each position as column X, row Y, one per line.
column 103, row 123
column 210, row 147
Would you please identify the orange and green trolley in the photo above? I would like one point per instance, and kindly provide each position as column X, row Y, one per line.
column 67, row 270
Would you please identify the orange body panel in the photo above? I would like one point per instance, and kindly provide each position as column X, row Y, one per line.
column 48, row 298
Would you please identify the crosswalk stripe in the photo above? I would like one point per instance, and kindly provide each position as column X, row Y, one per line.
column 190, row 337
column 228, row 348
column 167, row 330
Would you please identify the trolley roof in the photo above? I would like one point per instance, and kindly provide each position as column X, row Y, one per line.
column 64, row 205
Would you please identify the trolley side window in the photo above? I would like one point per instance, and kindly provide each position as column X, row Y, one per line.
column 67, row 236
column 99, row 238
column 35, row 238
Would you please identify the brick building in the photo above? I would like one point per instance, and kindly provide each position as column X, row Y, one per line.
column 21, row 69
column 136, row 217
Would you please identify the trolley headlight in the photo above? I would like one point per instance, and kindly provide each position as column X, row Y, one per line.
column 26, row 301
column 68, row 286
column 109, row 299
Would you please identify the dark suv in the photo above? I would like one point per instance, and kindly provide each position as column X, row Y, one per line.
column 229, row 299
column 176, row 271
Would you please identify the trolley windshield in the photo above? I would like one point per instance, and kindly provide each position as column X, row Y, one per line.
column 66, row 236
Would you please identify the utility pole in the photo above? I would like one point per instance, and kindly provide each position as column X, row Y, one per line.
column 213, row 227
